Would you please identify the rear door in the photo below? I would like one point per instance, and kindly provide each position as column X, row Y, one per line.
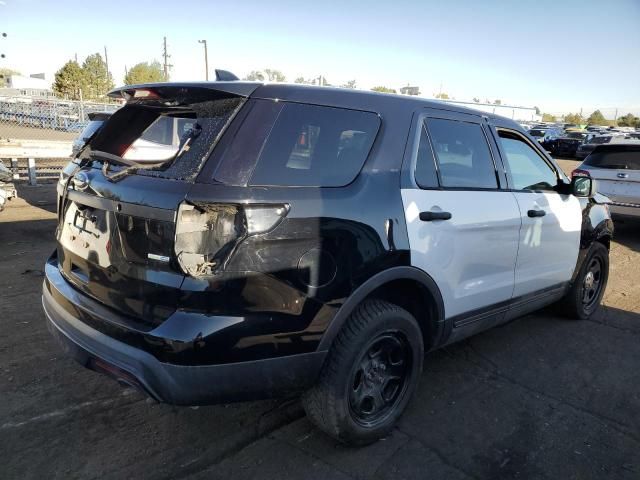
column 551, row 222
column 463, row 228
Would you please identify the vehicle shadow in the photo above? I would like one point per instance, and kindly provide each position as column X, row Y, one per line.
column 41, row 196
column 627, row 232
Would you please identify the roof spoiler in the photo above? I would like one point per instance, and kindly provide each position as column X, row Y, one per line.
column 164, row 90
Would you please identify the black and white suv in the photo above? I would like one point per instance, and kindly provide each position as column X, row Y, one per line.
column 310, row 240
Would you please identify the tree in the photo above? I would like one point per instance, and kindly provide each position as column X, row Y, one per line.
column 575, row 118
column 350, row 84
column 98, row 78
column 69, row 81
column 596, row 118
column 383, row 89
column 267, row 74
column 255, row 76
column 274, row 75
column 497, row 102
column 145, row 72
column 476, row 99
column 629, row 120
column 7, row 72
column 442, row 96
column 301, row 80
column 547, row 117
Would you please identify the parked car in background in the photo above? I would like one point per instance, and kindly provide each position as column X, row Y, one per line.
column 96, row 120
column 587, row 147
column 566, row 145
column 545, row 135
column 7, row 188
column 310, row 239
column 616, row 168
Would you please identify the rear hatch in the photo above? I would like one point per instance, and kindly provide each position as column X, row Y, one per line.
column 617, row 170
column 118, row 202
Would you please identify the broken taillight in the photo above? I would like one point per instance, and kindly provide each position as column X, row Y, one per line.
column 207, row 235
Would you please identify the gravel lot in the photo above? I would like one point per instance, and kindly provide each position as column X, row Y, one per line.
column 540, row 397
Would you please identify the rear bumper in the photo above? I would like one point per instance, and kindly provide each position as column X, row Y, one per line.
column 170, row 383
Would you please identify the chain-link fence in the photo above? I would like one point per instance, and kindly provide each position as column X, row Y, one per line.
column 38, row 131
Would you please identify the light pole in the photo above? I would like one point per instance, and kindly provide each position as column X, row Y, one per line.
column 206, row 59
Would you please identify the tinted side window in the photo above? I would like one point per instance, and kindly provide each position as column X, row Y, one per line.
column 289, row 144
column 425, row 173
column 527, row 168
column 462, row 153
column 315, row 146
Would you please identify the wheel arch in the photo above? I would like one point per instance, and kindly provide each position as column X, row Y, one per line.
column 408, row 287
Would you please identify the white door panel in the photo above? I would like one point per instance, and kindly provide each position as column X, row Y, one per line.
column 549, row 245
column 472, row 256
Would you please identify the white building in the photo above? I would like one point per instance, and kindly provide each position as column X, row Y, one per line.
column 519, row 114
column 31, row 86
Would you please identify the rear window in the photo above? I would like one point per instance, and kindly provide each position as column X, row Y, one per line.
column 537, row 133
column 617, row 160
column 600, row 140
column 169, row 137
column 291, row 144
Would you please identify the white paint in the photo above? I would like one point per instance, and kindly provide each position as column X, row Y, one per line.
column 549, row 245
column 472, row 256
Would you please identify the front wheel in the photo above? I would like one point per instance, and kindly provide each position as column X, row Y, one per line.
column 585, row 295
column 369, row 375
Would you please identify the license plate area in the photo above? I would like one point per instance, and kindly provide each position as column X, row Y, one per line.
column 85, row 233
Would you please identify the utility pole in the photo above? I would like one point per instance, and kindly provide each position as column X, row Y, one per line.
column 206, row 60
column 166, row 57
column 106, row 60
column 615, row 118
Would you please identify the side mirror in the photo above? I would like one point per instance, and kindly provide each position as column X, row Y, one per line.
column 583, row 186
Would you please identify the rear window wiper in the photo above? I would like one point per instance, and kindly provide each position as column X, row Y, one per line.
column 113, row 159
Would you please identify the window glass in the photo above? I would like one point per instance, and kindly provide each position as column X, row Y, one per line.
column 160, row 131
column 527, row 168
column 615, row 160
column 289, row 144
column 462, row 153
column 425, row 173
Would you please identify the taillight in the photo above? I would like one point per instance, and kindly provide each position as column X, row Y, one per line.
column 207, row 235
column 578, row 172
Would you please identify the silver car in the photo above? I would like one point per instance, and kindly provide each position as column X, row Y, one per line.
column 616, row 167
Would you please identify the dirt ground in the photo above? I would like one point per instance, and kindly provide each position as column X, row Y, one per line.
column 541, row 397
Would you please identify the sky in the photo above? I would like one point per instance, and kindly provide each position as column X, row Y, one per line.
column 562, row 55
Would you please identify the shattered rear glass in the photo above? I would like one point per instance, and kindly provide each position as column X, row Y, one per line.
column 163, row 138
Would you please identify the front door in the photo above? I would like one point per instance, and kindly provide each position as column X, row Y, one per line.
column 463, row 229
column 551, row 222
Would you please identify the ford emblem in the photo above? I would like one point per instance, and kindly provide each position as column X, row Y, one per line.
column 80, row 181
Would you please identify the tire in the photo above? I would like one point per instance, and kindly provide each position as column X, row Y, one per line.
column 369, row 375
column 578, row 302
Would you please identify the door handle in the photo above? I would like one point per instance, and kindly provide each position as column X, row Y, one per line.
column 536, row 213
column 430, row 216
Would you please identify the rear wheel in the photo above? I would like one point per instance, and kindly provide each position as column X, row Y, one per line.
column 585, row 295
column 369, row 376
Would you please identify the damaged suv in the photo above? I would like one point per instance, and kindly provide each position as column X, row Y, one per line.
column 309, row 240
